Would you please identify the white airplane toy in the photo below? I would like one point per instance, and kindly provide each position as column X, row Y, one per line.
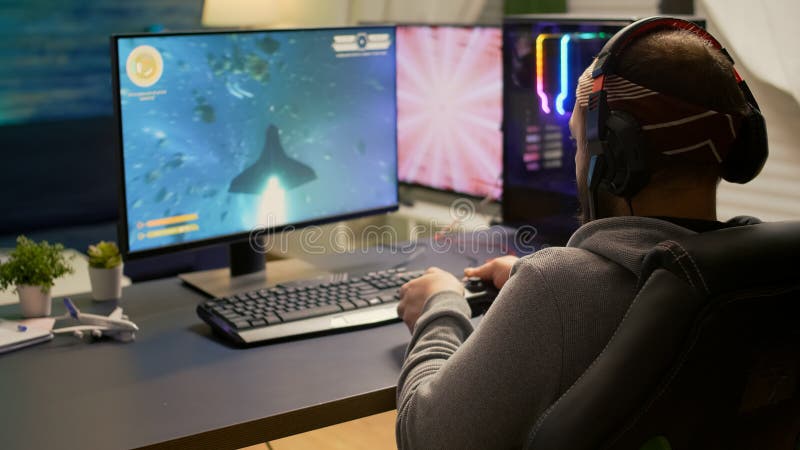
column 115, row 325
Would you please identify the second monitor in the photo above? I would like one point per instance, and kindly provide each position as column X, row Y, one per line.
column 449, row 108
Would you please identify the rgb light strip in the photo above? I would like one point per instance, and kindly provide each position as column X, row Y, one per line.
column 540, row 69
column 564, row 41
column 564, row 48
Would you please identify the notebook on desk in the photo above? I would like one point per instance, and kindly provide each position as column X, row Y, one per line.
column 15, row 335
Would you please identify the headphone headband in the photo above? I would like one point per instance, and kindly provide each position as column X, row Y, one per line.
column 612, row 49
column 618, row 164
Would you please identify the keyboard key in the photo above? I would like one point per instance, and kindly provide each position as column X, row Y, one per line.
column 347, row 306
column 272, row 319
column 258, row 322
column 241, row 324
column 360, row 303
column 309, row 312
column 388, row 297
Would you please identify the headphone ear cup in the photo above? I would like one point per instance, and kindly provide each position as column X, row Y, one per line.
column 627, row 172
column 749, row 151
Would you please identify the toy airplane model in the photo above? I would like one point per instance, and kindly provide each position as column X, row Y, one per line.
column 115, row 325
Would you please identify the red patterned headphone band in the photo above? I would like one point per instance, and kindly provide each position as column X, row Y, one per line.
column 671, row 127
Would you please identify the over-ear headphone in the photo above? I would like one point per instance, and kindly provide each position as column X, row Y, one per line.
column 618, row 158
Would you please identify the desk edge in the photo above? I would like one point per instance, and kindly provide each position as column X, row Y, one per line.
column 288, row 423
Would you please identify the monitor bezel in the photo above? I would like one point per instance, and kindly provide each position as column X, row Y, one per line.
column 470, row 195
column 122, row 225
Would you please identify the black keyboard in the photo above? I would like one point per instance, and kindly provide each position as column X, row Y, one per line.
column 306, row 307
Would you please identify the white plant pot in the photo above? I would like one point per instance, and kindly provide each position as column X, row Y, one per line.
column 33, row 301
column 106, row 283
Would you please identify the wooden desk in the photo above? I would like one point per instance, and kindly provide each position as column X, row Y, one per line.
column 178, row 386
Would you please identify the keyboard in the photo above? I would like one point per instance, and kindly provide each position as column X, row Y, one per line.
column 306, row 307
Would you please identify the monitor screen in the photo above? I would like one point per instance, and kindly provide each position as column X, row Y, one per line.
column 543, row 59
column 449, row 108
column 226, row 132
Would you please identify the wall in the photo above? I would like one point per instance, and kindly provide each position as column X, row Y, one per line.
column 623, row 8
column 758, row 42
column 54, row 54
column 765, row 31
column 56, row 126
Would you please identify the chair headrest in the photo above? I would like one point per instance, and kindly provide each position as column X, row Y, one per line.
column 730, row 259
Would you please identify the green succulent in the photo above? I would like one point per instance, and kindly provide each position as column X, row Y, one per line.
column 34, row 265
column 104, row 255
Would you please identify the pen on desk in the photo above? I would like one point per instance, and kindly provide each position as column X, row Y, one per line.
column 21, row 328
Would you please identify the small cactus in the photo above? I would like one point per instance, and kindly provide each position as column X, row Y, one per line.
column 104, row 255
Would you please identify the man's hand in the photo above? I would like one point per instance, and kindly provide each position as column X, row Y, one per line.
column 497, row 270
column 414, row 293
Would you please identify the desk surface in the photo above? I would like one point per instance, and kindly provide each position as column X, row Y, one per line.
column 179, row 386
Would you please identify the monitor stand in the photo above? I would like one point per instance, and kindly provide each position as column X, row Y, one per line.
column 247, row 272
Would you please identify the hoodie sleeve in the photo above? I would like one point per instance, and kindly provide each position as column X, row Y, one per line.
column 481, row 389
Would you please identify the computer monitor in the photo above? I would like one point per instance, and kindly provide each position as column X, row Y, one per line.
column 449, row 108
column 222, row 133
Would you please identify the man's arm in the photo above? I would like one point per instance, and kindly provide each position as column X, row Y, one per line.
column 485, row 391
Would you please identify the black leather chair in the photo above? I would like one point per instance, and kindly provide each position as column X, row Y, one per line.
column 706, row 357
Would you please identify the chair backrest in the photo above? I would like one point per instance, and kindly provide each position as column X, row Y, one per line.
column 706, row 357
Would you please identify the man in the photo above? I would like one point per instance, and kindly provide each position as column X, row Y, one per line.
column 559, row 307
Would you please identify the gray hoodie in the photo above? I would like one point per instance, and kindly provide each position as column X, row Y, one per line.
column 484, row 388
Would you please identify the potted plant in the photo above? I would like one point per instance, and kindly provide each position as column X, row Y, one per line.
column 31, row 269
column 105, row 271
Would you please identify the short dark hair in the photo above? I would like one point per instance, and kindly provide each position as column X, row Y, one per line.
column 683, row 65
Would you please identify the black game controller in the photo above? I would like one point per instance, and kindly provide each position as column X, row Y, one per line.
column 479, row 294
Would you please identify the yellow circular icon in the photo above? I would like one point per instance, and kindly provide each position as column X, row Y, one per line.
column 144, row 66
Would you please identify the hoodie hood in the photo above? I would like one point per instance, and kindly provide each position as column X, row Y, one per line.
column 626, row 240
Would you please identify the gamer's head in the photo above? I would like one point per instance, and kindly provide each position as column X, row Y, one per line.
column 678, row 122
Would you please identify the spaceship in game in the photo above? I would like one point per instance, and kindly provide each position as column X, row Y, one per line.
column 273, row 162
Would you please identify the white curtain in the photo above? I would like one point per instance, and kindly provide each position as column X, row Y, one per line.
column 425, row 11
column 763, row 34
column 311, row 13
column 621, row 8
column 759, row 35
column 351, row 12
